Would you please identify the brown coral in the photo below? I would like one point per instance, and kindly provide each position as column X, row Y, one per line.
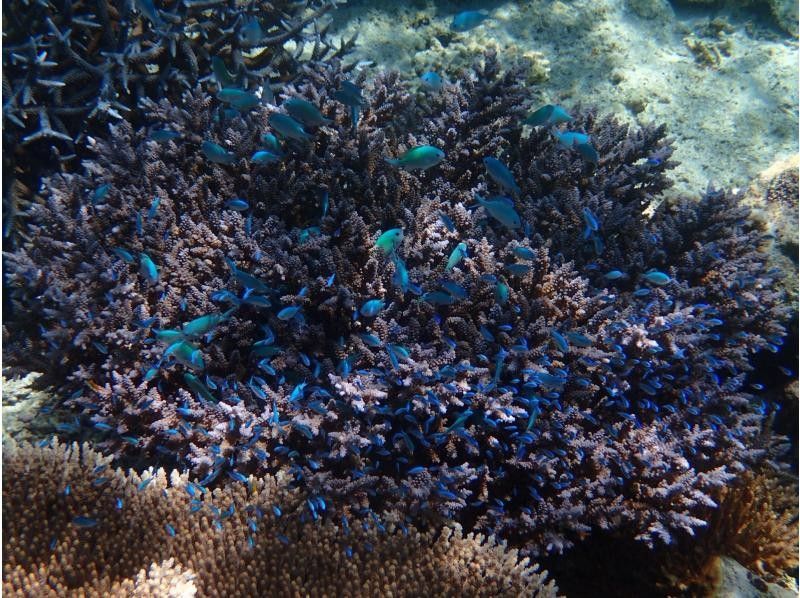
column 233, row 545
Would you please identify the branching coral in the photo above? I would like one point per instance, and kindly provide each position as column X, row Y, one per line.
column 72, row 523
column 588, row 368
column 68, row 70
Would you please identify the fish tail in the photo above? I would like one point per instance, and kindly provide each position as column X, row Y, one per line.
column 392, row 161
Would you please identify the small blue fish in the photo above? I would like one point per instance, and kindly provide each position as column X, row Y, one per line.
column 251, row 31
column 524, row 253
column 305, row 112
column 579, row 340
column 349, row 95
column 287, row 313
column 264, row 157
column 447, row 221
column 371, row 308
column 613, row 275
column 468, row 19
column 400, row 277
column 501, row 175
column 81, row 521
column 153, row 208
column 238, row 98
column 501, row 293
column 432, row 81
column 390, row 240
column 148, row 269
column 560, row 341
column 438, row 298
column 657, row 278
column 170, row 529
column 124, row 255
column 421, row 157
column 502, row 210
column 100, row 193
column 216, row 153
column 272, row 144
column 569, row 139
column 459, row 253
column 547, row 115
column 455, row 289
column 288, row 127
column 163, row 135
column 587, row 152
column 237, row 204
column 591, row 220
column 518, row 269
column 370, row 339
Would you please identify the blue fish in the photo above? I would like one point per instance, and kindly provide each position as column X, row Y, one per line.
column 371, row 308
column 468, row 19
column 349, row 95
column 82, row 521
column 560, row 341
column 459, row 253
column 432, row 81
column 163, row 135
column 124, row 255
column 524, row 253
column 237, row 204
column 569, row 139
column 100, row 193
column 287, row 313
column 148, row 269
column 272, row 144
column 501, row 175
column 455, row 289
column 305, row 112
column 547, row 115
column 448, row 222
column 264, row 157
column 657, row 278
column 614, row 275
column 238, row 98
column 591, row 220
column 502, row 210
column 438, row 298
column 288, row 127
column 216, row 153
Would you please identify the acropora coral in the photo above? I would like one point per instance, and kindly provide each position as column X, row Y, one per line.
column 584, row 363
column 74, row 525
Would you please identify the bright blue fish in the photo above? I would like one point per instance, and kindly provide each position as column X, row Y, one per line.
column 459, row 253
column 305, row 112
column 287, row 313
column 264, row 157
column 371, row 308
column 502, row 210
column 216, row 153
column 501, row 175
column 237, row 204
column 432, row 81
column 468, row 19
column 657, row 278
column 547, row 115
column 148, row 269
column 288, row 127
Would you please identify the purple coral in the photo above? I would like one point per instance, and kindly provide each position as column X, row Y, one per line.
column 523, row 393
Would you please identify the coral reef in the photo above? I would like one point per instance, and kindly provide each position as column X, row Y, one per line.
column 585, row 368
column 628, row 58
column 69, row 70
column 72, row 524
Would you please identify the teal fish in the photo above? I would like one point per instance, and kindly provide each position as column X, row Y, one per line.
column 371, row 308
column 547, row 115
column 501, row 175
column 587, row 152
column 221, row 74
column 238, row 98
column 419, row 158
column 438, row 298
column 186, row 353
column 217, row 153
column 168, row 336
column 272, row 144
column 237, row 204
column 468, row 19
column 459, row 253
column 657, row 278
column 309, row 232
column 124, row 255
column 501, row 293
column 370, row 339
column 163, row 135
column 390, row 240
column 613, row 275
column 455, row 289
column 100, row 193
column 305, row 112
column 524, row 253
column 252, row 31
column 502, row 210
column 148, row 269
column 286, row 126
column 193, row 382
column 203, row 324
column 264, row 157
column 432, row 81
column 287, row 313
column 518, row 269
column 569, row 139
column 349, row 95
column 400, row 276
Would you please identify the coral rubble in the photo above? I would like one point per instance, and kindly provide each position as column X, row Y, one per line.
column 73, row 525
column 587, row 367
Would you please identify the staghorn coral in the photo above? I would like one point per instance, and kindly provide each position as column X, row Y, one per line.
column 473, row 410
column 69, row 70
column 248, row 550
